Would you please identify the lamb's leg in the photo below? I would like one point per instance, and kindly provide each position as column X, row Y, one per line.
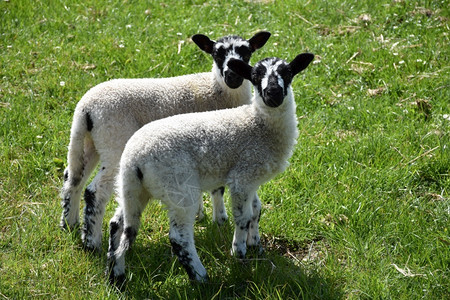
column 82, row 160
column 200, row 213
column 253, row 238
column 242, row 213
column 115, row 232
column 219, row 214
column 116, row 262
column 181, row 237
column 124, row 226
column 96, row 197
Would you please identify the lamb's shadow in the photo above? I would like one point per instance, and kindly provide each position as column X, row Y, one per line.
column 151, row 266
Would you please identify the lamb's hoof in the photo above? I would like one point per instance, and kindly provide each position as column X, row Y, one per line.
column 117, row 281
column 114, row 280
column 202, row 280
column 239, row 253
column 221, row 221
column 89, row 245
column 199, row 279
column 64, row 225
column 89, row 248
column 256, row 249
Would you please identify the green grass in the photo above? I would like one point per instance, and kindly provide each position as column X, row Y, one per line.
column 362, row 211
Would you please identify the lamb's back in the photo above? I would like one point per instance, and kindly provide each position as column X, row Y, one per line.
column 214, row 144
column 148, row 99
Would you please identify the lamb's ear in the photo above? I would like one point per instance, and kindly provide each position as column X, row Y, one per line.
column 241, row 68
column 259, row 40
column 301, row 62
column 203, row 42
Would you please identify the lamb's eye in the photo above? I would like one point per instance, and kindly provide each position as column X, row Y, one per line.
column 219, row 55
column 221, row 52
column 285, row 73
column 259, row 74
column 260, row 77
column 244, row 52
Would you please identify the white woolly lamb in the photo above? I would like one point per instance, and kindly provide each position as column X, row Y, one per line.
column 176, row 158
column 109, row 113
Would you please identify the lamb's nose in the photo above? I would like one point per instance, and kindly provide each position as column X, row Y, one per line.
column 232, row 79
column 274, row 96
column 274, row 92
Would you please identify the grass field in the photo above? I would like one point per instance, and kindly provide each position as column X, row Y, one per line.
column 361, row 213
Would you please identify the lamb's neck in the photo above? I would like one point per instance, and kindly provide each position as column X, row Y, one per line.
column 242, row 94
column 282, row 119
column 239, row 96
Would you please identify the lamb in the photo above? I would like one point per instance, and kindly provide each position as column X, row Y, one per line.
column 109, row 113
column 176, row 158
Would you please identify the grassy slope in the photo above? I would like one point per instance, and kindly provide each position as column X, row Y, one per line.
column 363, row 210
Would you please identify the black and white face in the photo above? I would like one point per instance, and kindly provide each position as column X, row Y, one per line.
column 272, row 78
column 230, row 47
column 227, row 48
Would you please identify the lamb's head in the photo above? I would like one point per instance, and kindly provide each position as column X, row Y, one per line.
column 230, row 47
column 272, row 77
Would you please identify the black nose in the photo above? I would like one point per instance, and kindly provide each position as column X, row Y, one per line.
column 232, row 79
column 273, row 96
column 276, row 92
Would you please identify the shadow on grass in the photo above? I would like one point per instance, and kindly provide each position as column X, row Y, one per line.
column 153, row 272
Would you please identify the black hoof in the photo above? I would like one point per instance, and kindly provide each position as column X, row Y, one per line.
column 66, row 227
column 116, row 281
column 222, row 221
column 200, row 281
column 256, row 249
column 91, row 249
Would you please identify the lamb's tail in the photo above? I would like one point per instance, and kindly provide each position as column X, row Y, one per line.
column 79, row 143
column 81, row 160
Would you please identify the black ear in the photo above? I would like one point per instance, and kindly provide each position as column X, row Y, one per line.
column 241, row 68
column 203, row 42
column 259, row 40
column 301, row 62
